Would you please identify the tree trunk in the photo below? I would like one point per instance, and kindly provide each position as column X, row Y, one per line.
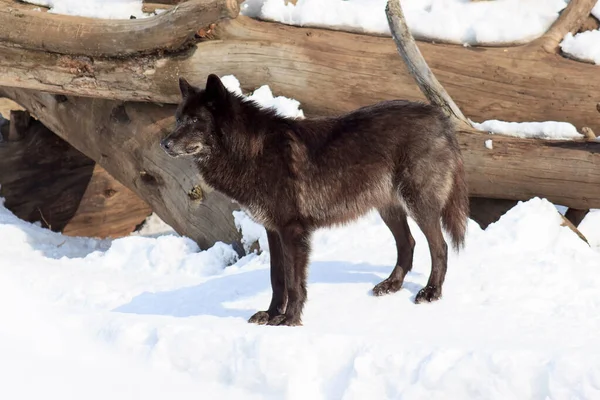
column 328, row 72
column 123, row 138
column 486, row 211
column 92, row 37
column 43, row 178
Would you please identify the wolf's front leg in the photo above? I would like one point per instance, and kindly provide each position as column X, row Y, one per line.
column 279, row 298
column 295, row 240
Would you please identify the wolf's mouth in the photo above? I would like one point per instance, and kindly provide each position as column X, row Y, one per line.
column 192, row 149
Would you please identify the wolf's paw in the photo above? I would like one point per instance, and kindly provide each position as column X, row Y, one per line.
column 282, row 320
column 260, row 318
column 386, row 287
column 428, row 294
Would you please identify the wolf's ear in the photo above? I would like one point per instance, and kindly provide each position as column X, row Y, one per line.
column 215, row 90
column 185, row 88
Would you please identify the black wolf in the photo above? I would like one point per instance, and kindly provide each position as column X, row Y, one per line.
column 297, row 175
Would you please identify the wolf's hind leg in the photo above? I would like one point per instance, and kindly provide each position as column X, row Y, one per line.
column 432, row 229
column 395, row 218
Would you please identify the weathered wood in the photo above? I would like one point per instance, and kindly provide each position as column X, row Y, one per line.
column 570, row 20
column 124, row 139
column 43, row 178
column 572, row 227
column 328, row 72
column 576, row 216
column 510, row 178
column 19, row 123
column 591, row 23
column 107, row 209
column 588, row 133
column 94, row 37
column 487, row 211
column 417, row 67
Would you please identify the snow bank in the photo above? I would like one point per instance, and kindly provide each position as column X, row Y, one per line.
column 596, row 10
column 153, row 226
column 583, row 46
column 113, row 9
column 456, row 21
column 542, row 130
column 590, row 228
column 143, row 327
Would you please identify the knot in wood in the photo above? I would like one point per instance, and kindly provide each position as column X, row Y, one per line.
column 196, row 194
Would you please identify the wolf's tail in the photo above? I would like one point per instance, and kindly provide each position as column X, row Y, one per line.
column 456, row 211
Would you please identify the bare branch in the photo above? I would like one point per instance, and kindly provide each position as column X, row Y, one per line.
column 417, row 66
column 570, row 20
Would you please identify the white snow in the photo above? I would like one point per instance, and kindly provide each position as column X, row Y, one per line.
column 583, row 46
column 150, row 317
column 455, row 21
column 154, row 317
column 113, row 9
column 154, row 226
column 489, row 144
column 542, row 130
column 596, row 10
column 590, row 228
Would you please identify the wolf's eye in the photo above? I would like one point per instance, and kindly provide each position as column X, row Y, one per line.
column 195, row 120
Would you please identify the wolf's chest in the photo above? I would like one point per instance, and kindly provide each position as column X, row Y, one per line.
column 259, row 214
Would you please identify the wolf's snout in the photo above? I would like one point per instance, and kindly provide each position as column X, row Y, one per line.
column 166, row 144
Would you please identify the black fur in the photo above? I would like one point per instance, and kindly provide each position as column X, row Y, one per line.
column 297, row 175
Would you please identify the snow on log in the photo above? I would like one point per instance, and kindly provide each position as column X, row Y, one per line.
column 505, row 170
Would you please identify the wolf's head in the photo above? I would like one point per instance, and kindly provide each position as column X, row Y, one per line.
column 195, row 124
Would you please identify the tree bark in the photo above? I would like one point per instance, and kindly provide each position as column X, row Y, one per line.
column 93, row 37
column 124, row 139
column 328, row 72
column 570, row 20
column 487, row 211
column 43, row 178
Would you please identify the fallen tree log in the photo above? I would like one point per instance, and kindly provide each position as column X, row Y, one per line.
column 301, row 63
column 123, row 139
column 43, row 178
column 328, row 72
column 438, row 96
column 92, row 37
column 512, row 160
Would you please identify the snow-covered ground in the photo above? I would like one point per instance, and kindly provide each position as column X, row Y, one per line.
column 143, row 317
column 150, row 316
